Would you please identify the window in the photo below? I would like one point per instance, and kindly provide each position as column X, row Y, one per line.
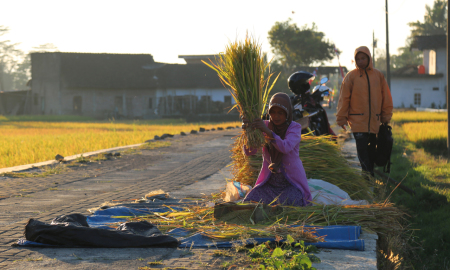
column 77, row 104
column 150, row 103
column 417, row 99
column 118, row 104
column 435, row 88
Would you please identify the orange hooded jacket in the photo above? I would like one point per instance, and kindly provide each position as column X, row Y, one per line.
column 365, row 100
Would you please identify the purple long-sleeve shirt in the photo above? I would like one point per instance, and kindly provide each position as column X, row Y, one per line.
column 291, row 165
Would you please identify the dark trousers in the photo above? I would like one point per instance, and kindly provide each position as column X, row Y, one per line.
column 366, row 144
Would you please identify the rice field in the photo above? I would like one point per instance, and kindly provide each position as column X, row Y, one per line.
column 25, row 140
column 422, row 131
column 413, row 116
column 420, row 160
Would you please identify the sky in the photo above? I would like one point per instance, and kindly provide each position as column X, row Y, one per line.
column 167, row 29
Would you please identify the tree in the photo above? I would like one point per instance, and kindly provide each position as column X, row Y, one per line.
column 435, row 20
column 14, row 64
column 435, row 23
column 405, row 57
column 295, row 46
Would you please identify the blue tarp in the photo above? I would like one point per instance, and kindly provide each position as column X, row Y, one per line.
column 336, row 237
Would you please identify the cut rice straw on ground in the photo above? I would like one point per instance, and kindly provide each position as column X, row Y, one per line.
column 321, row 158
column 379, row 218
column 242, row 69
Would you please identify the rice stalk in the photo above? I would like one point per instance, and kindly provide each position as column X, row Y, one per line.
column 242, row 68
column 379, row 218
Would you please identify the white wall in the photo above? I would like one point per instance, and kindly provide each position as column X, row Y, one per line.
column 403, row 90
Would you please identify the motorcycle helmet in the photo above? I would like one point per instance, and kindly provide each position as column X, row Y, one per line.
column 298, row 82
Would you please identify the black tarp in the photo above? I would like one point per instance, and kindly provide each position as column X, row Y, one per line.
column 73, row 231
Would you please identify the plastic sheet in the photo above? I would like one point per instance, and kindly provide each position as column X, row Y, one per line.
column 336, row 237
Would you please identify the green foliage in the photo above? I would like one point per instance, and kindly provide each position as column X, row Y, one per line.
column 11, row 59
column 435, row 20
column 428, row 176
column 405, row 57
column 435, row 23
column 289, row 255
column 294, row 46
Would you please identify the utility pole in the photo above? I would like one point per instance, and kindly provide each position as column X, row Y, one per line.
column 388, row 64
column 446, row 88
column 374, row 45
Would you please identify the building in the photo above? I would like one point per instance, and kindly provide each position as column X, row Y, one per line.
column 428, row 89
column 124, row 85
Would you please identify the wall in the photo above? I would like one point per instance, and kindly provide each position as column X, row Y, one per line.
column 403, row 90
column 101, row 103
column 45, row 89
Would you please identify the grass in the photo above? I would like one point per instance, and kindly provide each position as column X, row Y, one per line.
column 431, row 136
column 414, row 159
column 413, row 116
column 27, row 139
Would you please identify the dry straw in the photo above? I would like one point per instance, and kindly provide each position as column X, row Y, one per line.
column 379, row 218
column 242, row 69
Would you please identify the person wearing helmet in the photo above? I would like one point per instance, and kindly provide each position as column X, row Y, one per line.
column 282, row 177
column 365, row 102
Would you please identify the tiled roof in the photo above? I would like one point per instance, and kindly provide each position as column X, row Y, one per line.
column 130, row 71
column 430, row 42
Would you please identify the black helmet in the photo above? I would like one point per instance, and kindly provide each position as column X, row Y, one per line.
column 298, row 82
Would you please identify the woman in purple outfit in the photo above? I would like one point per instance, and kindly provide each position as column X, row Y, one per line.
column 282, row 178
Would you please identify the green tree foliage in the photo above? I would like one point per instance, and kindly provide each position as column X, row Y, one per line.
column 405, row 57
column 10, row 59
column 15, row 65
column 435, row 20
column 295, row 46
column 435, row 23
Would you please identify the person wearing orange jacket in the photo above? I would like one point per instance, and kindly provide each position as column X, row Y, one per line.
column 365, row 102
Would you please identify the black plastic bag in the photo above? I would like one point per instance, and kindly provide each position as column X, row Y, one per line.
column 73, row 231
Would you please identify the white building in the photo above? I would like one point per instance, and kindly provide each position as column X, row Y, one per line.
column 411, row 89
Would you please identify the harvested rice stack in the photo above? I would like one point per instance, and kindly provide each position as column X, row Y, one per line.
column 379, row 218
column 242, row 68
column 321, row 159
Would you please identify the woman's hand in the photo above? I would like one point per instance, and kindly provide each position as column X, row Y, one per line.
column 245, row 123
column 259, row 124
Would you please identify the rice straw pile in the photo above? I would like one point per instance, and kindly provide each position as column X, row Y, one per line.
column 242, row 69
column 379, row 218
column 321, row 158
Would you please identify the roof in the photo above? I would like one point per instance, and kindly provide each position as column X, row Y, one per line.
column 197, row 58
column 187, row 76
column 429, row 42
column 110, row 71
column 130, row 71
column 323, row 69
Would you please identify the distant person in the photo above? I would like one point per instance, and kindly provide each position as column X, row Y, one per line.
column 365, row 101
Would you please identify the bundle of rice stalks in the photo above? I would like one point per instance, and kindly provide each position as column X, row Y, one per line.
column 197, row 219
column 321, row 158
column 242, row 68
column 379, row 218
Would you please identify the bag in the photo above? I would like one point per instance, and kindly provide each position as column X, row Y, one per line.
column 384, row 147
column 235, row 191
